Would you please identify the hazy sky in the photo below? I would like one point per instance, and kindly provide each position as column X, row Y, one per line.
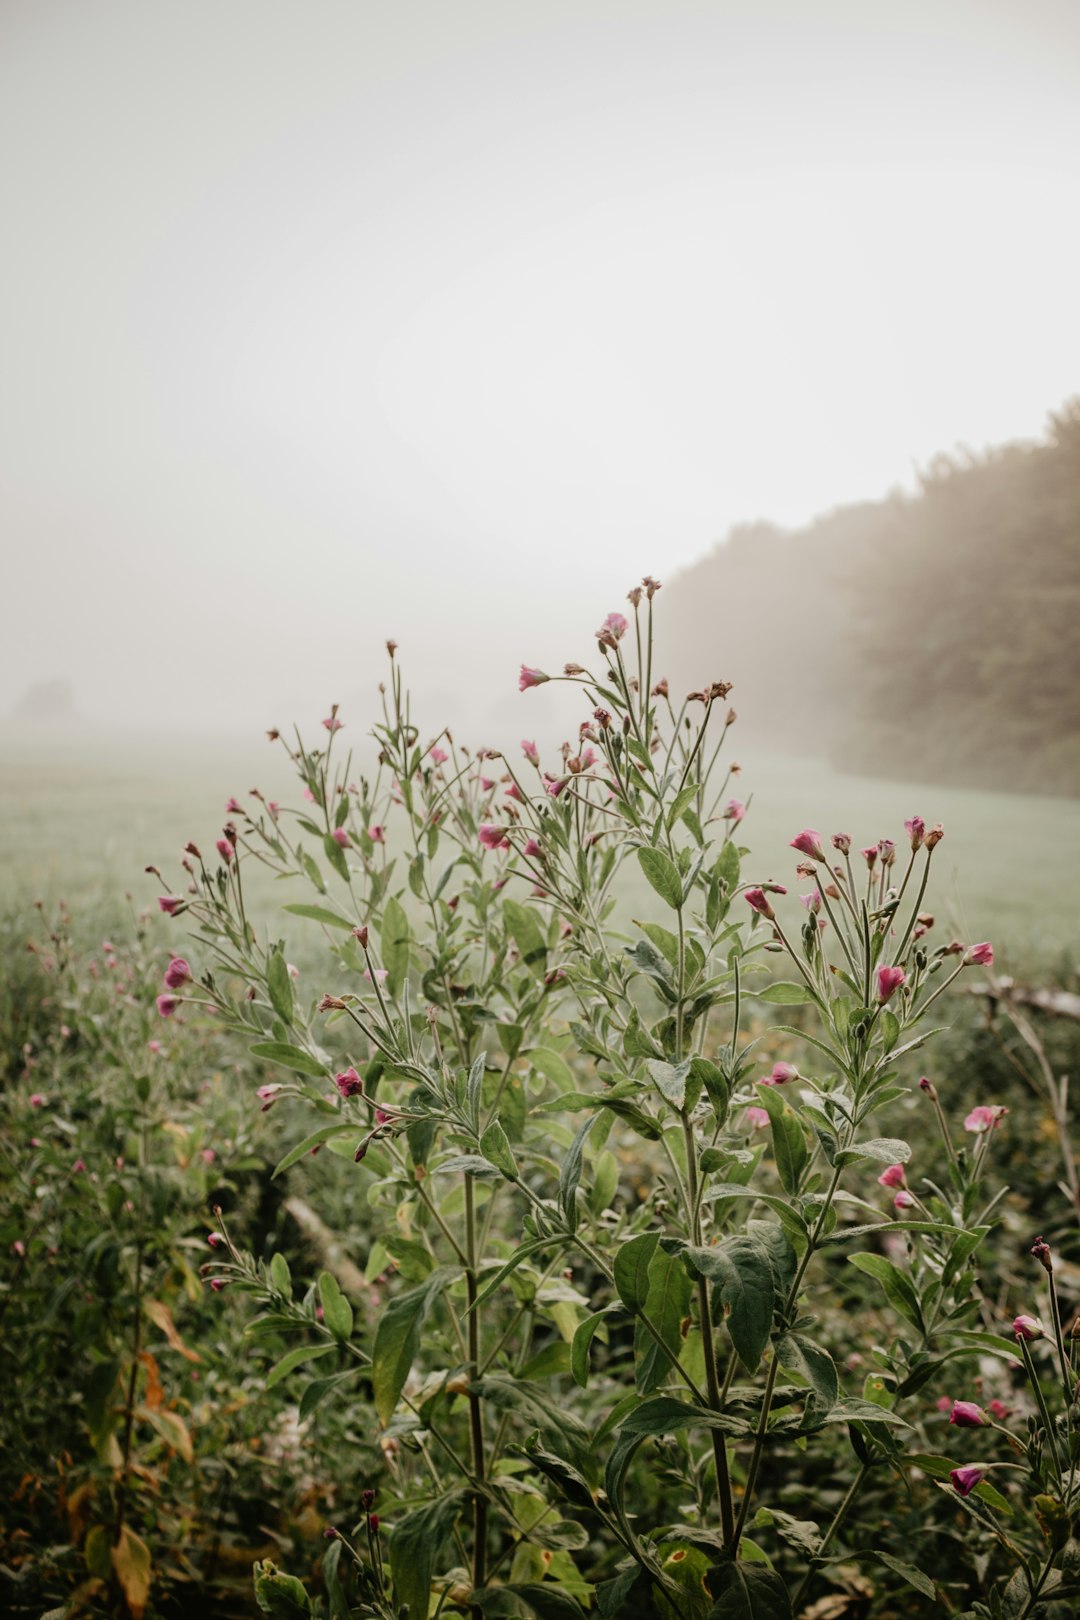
column 447, row 319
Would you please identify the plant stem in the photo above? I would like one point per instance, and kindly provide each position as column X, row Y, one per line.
column 476, row 1421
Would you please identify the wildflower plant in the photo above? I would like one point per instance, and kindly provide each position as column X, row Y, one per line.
column 619, row 1217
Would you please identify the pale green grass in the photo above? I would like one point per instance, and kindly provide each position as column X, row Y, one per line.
column 83, row 823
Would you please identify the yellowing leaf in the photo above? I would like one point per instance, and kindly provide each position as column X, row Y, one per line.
column 161, row 1316
column 131, row 1561
column 173, row 1430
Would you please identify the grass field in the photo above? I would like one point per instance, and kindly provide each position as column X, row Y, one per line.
column 83, row 823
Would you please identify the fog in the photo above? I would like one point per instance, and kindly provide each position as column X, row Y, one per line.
column 447, row 321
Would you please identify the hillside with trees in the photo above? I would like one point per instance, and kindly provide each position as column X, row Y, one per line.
column 931, row 636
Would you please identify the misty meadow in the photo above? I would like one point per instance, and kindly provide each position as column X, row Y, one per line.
column 539, row 801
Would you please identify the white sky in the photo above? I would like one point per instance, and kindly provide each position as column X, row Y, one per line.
column 447, row 319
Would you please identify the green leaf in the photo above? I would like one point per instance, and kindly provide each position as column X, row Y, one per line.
column 337, row 1312
column 416, row 1543
column 670, row 1080
column 336, row 856
column 311, row 868
column 800, row 1354
column 897, row 1285
column 741, row 1269
column 290, row 1057
column 667, row 1302
column 580, row 1346
column 496, row 1148
column 530, row 1247
column 324, row 1134
column 745, row 1591
column 907, row 1572
column 305, row 1352
column 279, row 986
column 527, row 934
column 885, row 1149
column 321, row 914
column 570, row 1176
column 394, row 939
column 784, row 995
column 397, row 1341
column 631, row 1269
column 282, row 1596
column 280, row 1275
column 682, row 801
column 552, row 1067
column 789, row 1143
column 662, row 874
column 543, row 1599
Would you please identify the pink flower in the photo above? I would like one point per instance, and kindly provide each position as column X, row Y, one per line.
column 531, row 677
column 309, row 796
column 869, row 854
column 759, row 901
column 889, row 980
column 492, row 837
column 532, row 847
column 19, row 1248
column 903, row 1200
column 757, row 1117
column 966, row 1415
column 809, row 843
column 78, row 1167
column 734, row 810
column 349, row 1083
column 267, row 1094
column 382, row 1117
column 916, row 831
column 381, row 975
column 486, row 784
column 216, row 1240
column 943, row 1403
column 377, row 834
column 998, row 1410
column 986, row 1117
column 167, row 1005
column 208, row 1155
column 612, row 630
column 170, row 903
column 887, row 851
column 892, row 1176
column 178, row 973
column 225, row 850
column 965, row 1479
column 332, row 723
column 1027, row 1327
column 273, row 807
column 234, row 808
column 341, row 838
column 218, row 1283
column 553, row 785
column 37, row 1100
column 842, row 842
column 514, row 792
column 981, row 955
column 438, row 756
column 531, row 752
column 780, row 1075
column 153, row 1046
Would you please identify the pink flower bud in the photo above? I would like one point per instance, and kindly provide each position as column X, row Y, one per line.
column 842, row 842
column 208, row 1155
column 377, row 834
column 886, row 851
column 267, row 1094
column 79, row 1167
column 1041, row 1250
column 332, row 723
column 178, row 973
column 1028, row 1327
column 808, row 842
column 734, row 810
column 380, row 977
column 438, row 756
column 889, row 980
column 998, row 1410
column 965, row 1479
column 985, row 1118
column 361, row 934
column 234, row 808
column 928, row 1086
column 18, row 1248
column 759, row 901
column 981, row 955
column 780, row 1075
column 916, row 831
column 531, row 677
column 869, row 855
column 225, row 850
column 966, row 1415
column 170, row 903
column 167, row 1005
column 532, row 847
column 903, row 1200
column 934, row 836
column 531, row 752
column 37, row 1100
column 341, row 838
column 218, row 1283
column 892, row 1176
column 757, row 1117
column 349, row 1083
column 217, row 1240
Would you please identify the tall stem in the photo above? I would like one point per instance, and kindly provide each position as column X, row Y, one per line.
column 476, row 1420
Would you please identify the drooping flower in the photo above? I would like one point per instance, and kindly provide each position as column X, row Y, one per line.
column 965, row 1479
column 225, row 850
column 178, row 973
column 757, row 1117
column 892, row 1176
column 981, row 955
column 554, row 785
column 234, row 808
column 170, row 903
column 889, row 980
column 349, row 1083
column 759, row 901
column 218, row 1283
column 438, row 756
column 808, row 842
column 216, row 1240
column 612, row 630
column 531, row 677
column 341, row 838
column 1028, row 1327
column 491, row 836
column 734, row 810
column 167, row 1005
column 903, row 1200
column 986, row 1117
column 377, row 834
column 532, row 847
column 531, row 752
column 966, row 1415
column 781, row 1073
column 267, row 1094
